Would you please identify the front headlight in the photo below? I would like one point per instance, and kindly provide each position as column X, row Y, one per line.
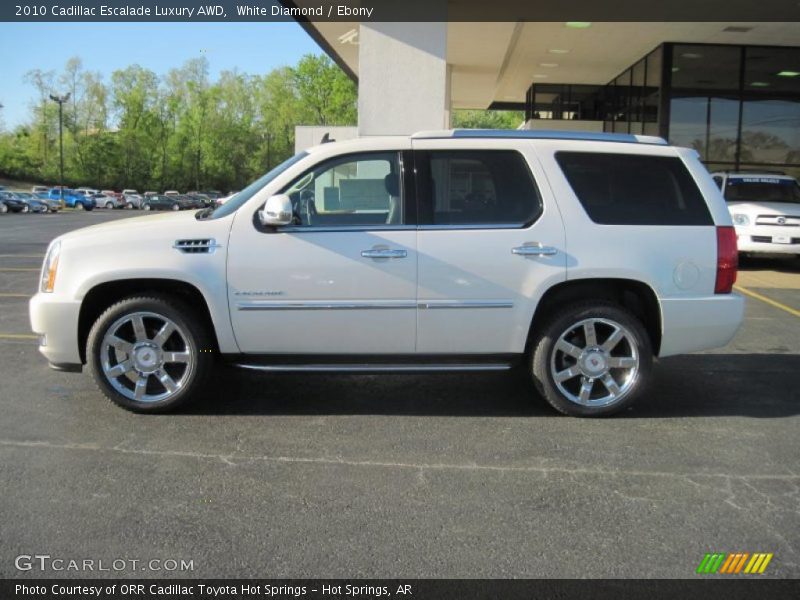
column 740, row 219
column 50, row 268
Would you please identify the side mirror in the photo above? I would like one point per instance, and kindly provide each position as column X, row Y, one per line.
column 277, row 211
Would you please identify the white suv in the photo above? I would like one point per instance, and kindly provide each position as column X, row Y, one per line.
column 766, row 210
column 580, row 256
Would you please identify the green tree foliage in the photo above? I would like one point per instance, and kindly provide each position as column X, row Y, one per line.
column 487, row 119
column 179, row 131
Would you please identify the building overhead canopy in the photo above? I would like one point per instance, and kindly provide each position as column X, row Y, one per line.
column 496, row 62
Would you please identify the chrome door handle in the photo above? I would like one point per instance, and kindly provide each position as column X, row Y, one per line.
column 383, row 253
column 534, row 250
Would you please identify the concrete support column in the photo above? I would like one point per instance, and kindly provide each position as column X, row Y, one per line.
column 403, row 78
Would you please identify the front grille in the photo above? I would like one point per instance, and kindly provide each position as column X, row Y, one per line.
column 766, row 239
column 202, row 246
column 778, row 220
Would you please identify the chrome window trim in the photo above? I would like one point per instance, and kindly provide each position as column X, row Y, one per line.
column 343, row 229
column 475, row 226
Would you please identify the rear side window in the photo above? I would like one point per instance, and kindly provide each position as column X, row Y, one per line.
column 629, row 189
column 476, row 188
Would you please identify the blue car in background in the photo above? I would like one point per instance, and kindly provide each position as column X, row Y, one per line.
column 72, row 199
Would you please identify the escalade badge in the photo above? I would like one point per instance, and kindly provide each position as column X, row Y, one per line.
column 781, row 220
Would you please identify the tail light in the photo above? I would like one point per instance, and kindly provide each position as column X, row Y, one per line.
column 727, row 260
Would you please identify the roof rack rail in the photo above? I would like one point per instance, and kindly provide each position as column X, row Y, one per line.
column 542, row 134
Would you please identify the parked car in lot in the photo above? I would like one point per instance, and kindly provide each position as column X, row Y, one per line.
column 72, row 199
column 35, row 205
column 109, row 201
column 3, row 208
column 765, row 208
column 38, row 189
column 579, row 255
column 132, row 201
column 13, row 202
column 162, row 202
column 54, row 205
column 201, row 200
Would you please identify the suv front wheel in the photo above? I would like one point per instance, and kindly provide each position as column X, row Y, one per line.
column 149, row 354
column 591, row 359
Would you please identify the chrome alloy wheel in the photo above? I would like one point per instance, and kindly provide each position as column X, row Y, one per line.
column 146, row 357
column 591, row 372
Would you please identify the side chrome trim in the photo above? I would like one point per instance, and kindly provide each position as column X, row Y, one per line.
column 374, row 368
column 437, row 304
column 325, row 305
column 374, row 305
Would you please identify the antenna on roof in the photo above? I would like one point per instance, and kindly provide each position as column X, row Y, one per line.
column 326, row 138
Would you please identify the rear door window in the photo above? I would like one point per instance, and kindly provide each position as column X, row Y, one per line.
column 630, row 189
column 476, row 189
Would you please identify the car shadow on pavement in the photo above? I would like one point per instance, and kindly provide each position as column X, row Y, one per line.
column 700, row 385
column 779, row 264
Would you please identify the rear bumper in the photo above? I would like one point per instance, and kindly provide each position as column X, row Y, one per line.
column 56, row 320
column 692, row 324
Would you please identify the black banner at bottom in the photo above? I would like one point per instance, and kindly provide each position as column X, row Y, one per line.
column 733, row 588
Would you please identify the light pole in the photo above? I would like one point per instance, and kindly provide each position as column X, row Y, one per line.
column 60, row 100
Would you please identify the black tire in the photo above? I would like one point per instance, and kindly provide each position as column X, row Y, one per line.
column 145, row 206
column 198, row 339
column 544, row 347
column 176, row 206
column 80, row 206
column 109, row 205
column 129, row 206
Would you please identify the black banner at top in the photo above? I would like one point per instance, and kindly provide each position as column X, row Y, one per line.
column 400, row 10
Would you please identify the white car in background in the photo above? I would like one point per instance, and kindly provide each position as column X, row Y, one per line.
column 765, row 208
column 103, row 200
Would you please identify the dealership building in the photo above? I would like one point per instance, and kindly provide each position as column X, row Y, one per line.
column 730, row 90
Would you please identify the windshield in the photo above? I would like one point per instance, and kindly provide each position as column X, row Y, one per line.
column 232, row 205
column 762, row 189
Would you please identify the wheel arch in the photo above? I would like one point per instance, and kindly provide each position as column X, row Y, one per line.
column 103, row 295
column 636, row 296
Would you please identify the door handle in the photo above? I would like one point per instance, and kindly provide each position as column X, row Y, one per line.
column 383, row 253
column 536, row 249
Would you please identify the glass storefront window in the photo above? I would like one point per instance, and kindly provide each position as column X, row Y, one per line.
column 771, row 107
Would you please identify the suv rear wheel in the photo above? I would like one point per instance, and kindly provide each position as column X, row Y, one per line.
column 591, row 359
column 149, row 354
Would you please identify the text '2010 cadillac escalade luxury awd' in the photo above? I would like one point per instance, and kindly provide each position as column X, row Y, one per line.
column 580, row 256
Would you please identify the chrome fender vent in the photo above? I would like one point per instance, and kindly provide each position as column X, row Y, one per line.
column 202, row 246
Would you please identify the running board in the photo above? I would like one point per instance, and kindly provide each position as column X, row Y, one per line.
column 374, row 368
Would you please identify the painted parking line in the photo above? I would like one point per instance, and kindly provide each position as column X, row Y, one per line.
column 769, row 301
column 18, row 336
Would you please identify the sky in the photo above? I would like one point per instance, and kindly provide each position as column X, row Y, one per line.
column 252, row 48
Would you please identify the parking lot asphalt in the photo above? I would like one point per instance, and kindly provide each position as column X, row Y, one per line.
column 403, row 476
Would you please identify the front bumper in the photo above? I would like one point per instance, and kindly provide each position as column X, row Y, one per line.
column 692, row 324
column 56, row 320
column 766, row 239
